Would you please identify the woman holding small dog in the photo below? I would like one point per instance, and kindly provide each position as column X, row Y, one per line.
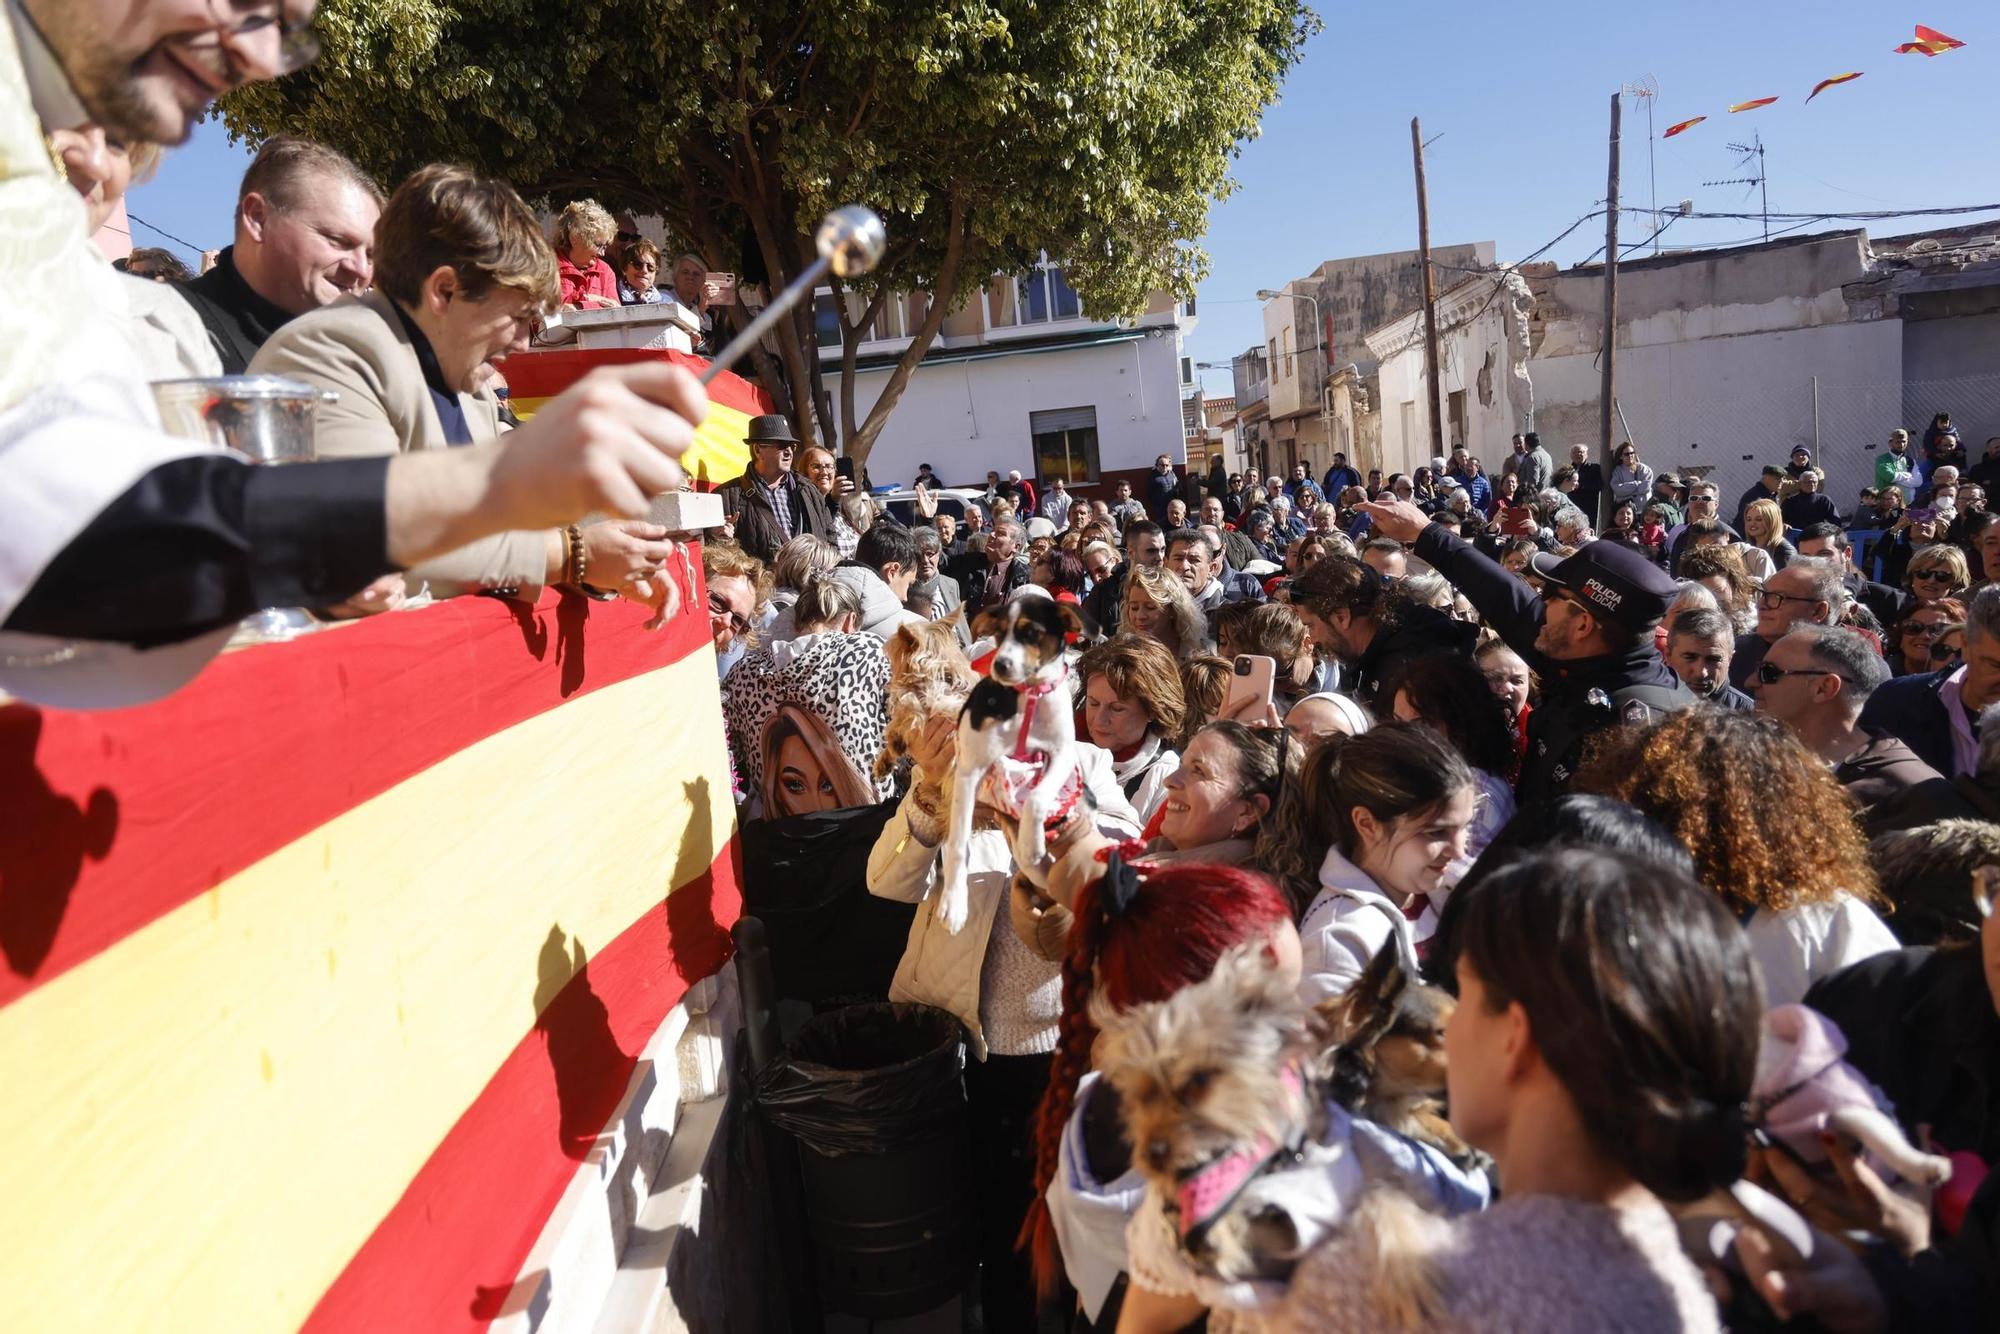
column 1008, row 996
column 1602, row 1050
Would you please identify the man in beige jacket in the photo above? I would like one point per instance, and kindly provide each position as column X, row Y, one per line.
column 461, row 270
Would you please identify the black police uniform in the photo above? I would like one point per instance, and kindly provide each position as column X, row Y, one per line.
column 1580, row 696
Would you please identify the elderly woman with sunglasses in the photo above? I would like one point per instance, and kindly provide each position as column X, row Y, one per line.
column 1915, row 647
column 1937, row 573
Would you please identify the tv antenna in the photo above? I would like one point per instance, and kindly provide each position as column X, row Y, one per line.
column 1752, row 153
column 1647, row 89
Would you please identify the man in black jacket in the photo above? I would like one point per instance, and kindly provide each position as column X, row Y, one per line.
column 1352, row 613
column 1829, row 541
column 305, row 236
column 1145, row 545
column 1590, row 639
column 989, row 576
column 769, row 504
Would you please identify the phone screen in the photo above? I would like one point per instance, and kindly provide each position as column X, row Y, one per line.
column 844, row 467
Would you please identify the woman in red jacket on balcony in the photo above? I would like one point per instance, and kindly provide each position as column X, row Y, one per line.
column 583, row 233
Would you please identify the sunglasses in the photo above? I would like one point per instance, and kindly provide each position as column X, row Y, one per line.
column 1921, row 628
column 1945, row 651
column 718, row 607
column 1941, row 576
column 1770, row 673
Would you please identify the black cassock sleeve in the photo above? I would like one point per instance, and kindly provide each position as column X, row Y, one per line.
column 200, row 542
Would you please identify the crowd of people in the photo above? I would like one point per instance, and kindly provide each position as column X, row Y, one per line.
column 1622, row 793
column 1448, row 850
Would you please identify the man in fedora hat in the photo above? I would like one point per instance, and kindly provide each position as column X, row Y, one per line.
column 769, row 505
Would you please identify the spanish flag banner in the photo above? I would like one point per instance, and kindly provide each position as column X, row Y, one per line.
column 719, row 452
column 323, row 975
column 1751, row 105
column 1825, row 84
column 1929, row 42
column 1688, row 124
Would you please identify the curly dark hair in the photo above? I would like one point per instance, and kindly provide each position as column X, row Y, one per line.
column 1768, row 825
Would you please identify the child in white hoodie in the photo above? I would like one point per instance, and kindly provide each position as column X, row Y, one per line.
column 1391, row 808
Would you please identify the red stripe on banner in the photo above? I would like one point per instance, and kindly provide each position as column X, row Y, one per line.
column 546, row 374
column 109, row 820
column 447, row 1255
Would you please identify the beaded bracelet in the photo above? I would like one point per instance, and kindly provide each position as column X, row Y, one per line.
column 579, row 559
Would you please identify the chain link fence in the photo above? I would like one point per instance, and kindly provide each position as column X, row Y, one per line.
column 1729, row 438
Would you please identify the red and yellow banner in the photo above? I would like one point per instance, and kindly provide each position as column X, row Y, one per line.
column 1929, row 42
column 1751, row 105
column 1825, row 84
column 719, row 452
column 1682, row 126
column 323, row 974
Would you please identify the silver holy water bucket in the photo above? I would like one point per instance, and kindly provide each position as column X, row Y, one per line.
column 265, row 418
column 268, row 419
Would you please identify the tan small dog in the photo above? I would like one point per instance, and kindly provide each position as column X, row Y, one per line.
column 1387, row 1062
column 929, row 677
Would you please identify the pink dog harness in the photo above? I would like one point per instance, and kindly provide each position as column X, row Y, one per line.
column 1206, row 1193
column 1017, row 773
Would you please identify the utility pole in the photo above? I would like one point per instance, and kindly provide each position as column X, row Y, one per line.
column 1609, row 390
column 1430, row 292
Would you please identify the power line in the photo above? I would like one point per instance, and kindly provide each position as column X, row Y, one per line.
column 182, row 242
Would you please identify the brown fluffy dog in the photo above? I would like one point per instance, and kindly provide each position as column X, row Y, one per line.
column 1387, row 1063
column 929, row 677
column 1206, row 1072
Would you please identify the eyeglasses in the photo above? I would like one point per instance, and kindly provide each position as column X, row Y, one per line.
column 298, row 44
column 1770, row 673
column 718, row 607
column 782, row 446
column 1770, row 598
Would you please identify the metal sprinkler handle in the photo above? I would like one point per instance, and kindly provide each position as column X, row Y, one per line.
column 850, row 242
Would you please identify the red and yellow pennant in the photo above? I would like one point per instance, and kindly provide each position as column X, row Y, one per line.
column 1825, row 84
column 719, row 452
column 1688, row 124
column 322, row 974
column 1751, row 105
column 1929, row 42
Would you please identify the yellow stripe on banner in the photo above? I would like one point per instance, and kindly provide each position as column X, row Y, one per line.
column 205, row 1122
column 718, row 453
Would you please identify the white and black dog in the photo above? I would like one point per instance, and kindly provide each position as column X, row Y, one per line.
column 1016, row 740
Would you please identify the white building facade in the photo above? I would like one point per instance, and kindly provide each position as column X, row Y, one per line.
column 1021, row 379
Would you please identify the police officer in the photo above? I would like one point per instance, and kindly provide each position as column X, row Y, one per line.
column 1590, row 638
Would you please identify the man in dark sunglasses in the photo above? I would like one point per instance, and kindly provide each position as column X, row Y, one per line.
column 1816, row 680
column 769, row 504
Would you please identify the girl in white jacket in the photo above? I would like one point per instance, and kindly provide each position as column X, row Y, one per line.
column 1377, row 821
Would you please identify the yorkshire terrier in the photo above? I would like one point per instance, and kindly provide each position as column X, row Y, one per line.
column 1220, row 1106
column 929, row 677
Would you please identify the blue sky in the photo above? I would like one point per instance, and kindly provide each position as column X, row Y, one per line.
column 1515, row 101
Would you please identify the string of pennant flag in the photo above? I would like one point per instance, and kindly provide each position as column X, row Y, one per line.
column 1927, row 42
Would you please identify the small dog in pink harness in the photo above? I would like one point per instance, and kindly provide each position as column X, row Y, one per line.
column 1016, row 741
